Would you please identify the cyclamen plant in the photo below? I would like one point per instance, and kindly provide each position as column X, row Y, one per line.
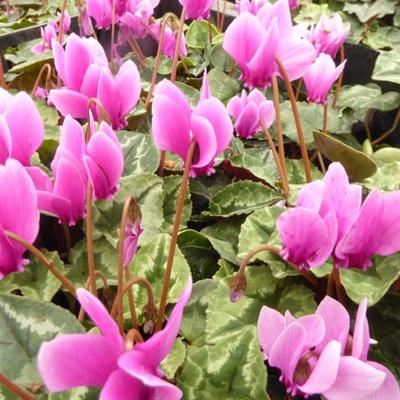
column 146, row 186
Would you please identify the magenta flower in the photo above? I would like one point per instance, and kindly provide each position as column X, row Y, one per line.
column 256, row 42
column 174, row 125
column 91, row 77
column 248, row 110
column 101, row 12
column 320, row 77
column 102, row 361
column 328, row 220
column 169, row 41
column 293, row 4
column 251, row 6
column 330, row 34
column 17, row 139
column 197, row 9
column 18, row 214
column 132, row 235
column 316, row 354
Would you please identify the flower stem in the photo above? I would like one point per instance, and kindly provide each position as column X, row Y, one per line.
column 340, row 293
column 3, row 82
column 45, row 67
column 222, row 20
column 133, row 336
column 178, row 46
column 13, row 388
column 325, row 118
column 390, row 130
column 89, row 239
column 61, row 24
column 340, row 80
column 300, row 134
column 131, row 301
column 43, row 259
column 136, row 50
column 298, row 88
column 112, row 32
column 175, row 230
column 277, row 160
column 279, row 133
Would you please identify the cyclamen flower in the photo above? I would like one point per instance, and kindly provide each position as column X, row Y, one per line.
column 103, row 361
column 248, row 110
column 329, row 220
column 293, row 4
column 330, row 34
column 132, row 235
column 256, row 42
column 83, row 67
column 251, row 6
column 17, row 139
column 316, row 354
column 320, row 77
column 169, row 40
column 75, row 163
column 197, row 9
column 174, row 125
column 18, row 214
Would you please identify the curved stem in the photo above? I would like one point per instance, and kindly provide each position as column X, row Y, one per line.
column 45, row 67
column 61, row 24
column 340, row 80
column 103, row 113
column 277, row 160
column 131, row 301
column 13, row 388
column 136, row 50
column 133, row 336
column 300, row 134
column 43, row 259
column 390, row 130
column 279, row 132
column 178, row 46
column 175, row 231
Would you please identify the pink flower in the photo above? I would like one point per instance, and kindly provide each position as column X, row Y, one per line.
column 174, row 125
column 330, row 34
column 256, row 42
column 75, row 164
column 132, row 235
column 251, row 6
column 17, row 139
column 102, row 361
column 101, row 12
column 91, row 77
column 328, row 220
column 293, row 4
column 169, row 40
column 18, row 214
column 197, row 9
column 320, row 77
column 316, row 355
column 248, row 110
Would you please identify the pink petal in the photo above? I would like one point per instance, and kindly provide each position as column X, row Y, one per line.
column 337, row 322
column 270, row 325
column 354, row 379
column 120, row 385
column 40, row 179
column 205, row 91
column 389, row 390
column 315, row 328
column 108, row 96
column 127, row 83
column 91, row 80
column 325, row 371
column 58, row 206
column 267, row 112
column 361, row 333
column 280, row 11
column 311, row 196
column 235, row 105
column 5, row 140
column 24, row 142
column 248, row 122
column 168, row 89
column 76, row 360
column 69, row 102
column 59, row 59
column 5, row 99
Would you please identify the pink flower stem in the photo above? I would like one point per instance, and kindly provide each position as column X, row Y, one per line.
column 279, row 133
column 175, row 231
column 178, row 46
column 132, row 337
column 67, row 237
column 13, row 388
column 46, row 67
column 43, row 259
column 300, row 133
column 340, row 80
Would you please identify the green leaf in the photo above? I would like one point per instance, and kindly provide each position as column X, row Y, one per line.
column 150, row 262
column 208, row 186
column 386, row 177
column 140, row 154
column 174, row 360
column 190, row 92
column 241, row 197
column 221, row 59
column 221, row 85
column 387, row 67
column 36, row 282
column 366, row 11
column 25, row 325
column 374, row 282
column 387, row 154
column 296, row 173
column 171, row 186
column 199, row 253
column 224, row 236
column 357, row 164
column 198, row 34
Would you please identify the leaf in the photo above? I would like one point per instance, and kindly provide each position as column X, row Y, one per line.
column 221, row 59
column 296, row 173
column 36, row 282
column 208, row 186
column 387, row 67
column 366, row 11
column 140, row 154
column 150, row 262
column 386, row 177
column 198, row 34
column 357, row 164
column 231, row 369
column 174, row 360
column 224, row 236
column 241, row 197
column 25, row 325
column 221, row 85
column 374, row 282
column 199, row 253
column 190, row 92
column 171, row 186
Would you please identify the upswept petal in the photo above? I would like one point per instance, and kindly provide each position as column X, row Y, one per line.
column 108, row 96
column 90, row 83
column 361, row 333
column 59, row 59
column 168, row 89
column 121, row 385
column 40, row 179
column 248, row 121
column 280, row 11
column 267, row 112
column 69, row 102
column 315, row 328
column 235, row 105
column 5, row 140
column 127, row 83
